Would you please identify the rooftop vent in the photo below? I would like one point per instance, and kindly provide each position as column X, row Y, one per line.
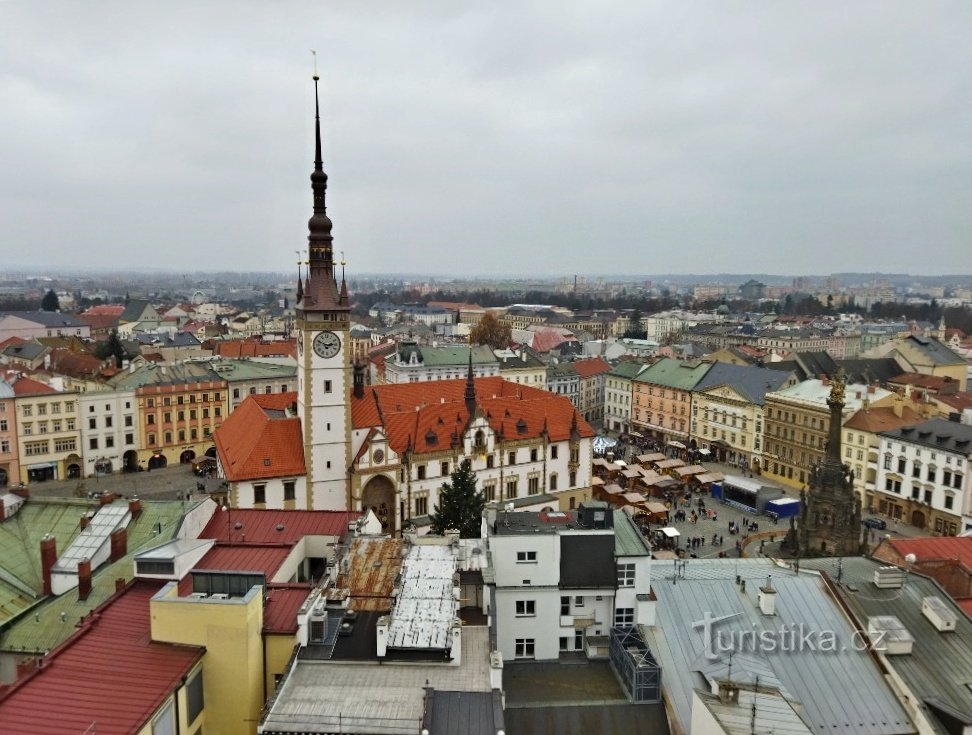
column 938, row 613
column 889, row 635
column 888, row 578
column 766, row 597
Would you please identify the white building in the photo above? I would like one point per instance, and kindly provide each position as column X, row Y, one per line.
column 559, row 581
column 108, row 429
column 413, row 363
column 924, row 477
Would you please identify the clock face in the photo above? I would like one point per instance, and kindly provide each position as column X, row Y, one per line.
column 327, row 344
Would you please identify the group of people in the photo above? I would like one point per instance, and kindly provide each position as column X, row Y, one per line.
column 744, row 528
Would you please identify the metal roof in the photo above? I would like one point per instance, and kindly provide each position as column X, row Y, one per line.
column 940, row 664
column 628, row 540
column 77, row 686
column 324, row 697
column 426, row 608
column 841, row 691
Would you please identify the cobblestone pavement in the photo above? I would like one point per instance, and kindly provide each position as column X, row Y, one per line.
column 169, row 483
column 706, row 527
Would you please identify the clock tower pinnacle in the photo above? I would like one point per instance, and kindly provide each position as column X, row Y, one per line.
column 324, row 366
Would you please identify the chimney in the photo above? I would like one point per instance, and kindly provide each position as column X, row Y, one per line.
column 767, row 597
column 135, row 507
column 84, row 579
column 119, row 584
column 3, row 511
column 107, row 498
column 119, row 543
column 84, row 521
column 871, row 389
column 48, row 553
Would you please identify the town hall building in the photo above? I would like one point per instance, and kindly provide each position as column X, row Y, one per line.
column 335, row 444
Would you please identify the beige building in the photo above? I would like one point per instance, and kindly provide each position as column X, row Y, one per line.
column 797, row 420
column 48, row 438
column 522, row 366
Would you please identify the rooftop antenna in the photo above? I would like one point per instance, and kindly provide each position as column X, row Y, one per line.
column 752, row 718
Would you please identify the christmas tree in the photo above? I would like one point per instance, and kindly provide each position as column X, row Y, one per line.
column 460, row 505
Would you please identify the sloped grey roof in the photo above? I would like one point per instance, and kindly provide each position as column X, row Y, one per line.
column 941, row 434
column 752, row 382
column 935, row 350
column 940, row 664
column 47, row 318
column 840, row 692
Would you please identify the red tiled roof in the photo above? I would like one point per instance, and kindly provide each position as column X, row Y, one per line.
column 265, row 558
column 966, row 605
column 109, row 672
column 104, row 310
column 875, row 420
column 958, row 401
column 30, row 387
column 254, row 445
column 12, row 342
column 249, row 348
column 545, row 340
column 260, row 526
column 919, row 380
column 413, row 413
column 281, row 604
column 98, row 321
column 592, row 367
column 75, row 365
column 936, row 548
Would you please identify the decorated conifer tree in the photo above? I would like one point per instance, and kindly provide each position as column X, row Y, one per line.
column 460, row 504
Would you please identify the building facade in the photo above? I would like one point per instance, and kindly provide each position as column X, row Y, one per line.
column 923, row 476
column 662, row 394
column 617, row 395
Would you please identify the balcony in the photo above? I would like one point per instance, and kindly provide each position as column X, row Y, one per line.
column 577, row 621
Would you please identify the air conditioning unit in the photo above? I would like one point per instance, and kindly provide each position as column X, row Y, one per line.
column 198, row 596
column 220, row 596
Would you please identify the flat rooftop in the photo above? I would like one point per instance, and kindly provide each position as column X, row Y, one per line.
column 388, row 698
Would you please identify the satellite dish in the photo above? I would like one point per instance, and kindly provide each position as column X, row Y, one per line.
column 911, row 558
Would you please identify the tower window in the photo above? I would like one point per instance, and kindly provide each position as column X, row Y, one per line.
column 327, row 386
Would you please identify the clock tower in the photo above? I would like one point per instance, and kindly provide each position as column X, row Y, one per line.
column 323, row 354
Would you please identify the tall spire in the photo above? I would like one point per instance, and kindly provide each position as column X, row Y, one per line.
column 320, row 287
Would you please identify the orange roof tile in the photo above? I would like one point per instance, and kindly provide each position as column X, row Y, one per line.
column 875, row 420
column 30, row 387
column 936, row 548
column 257, row 442
column 958, row 401
column 250, row 348
column 920, row 380
column 592, row 367
column 425, row 415
column 104, row 310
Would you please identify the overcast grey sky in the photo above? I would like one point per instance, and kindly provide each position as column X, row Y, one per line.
column 494, row 137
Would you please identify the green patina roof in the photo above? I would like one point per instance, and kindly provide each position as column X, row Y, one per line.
column 627, row 369
column 231, row 370
column 456, row 355
column 41, row 628
column 152, row 374
column 675, row 374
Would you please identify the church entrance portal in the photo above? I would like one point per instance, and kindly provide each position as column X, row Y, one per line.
column 379, row 496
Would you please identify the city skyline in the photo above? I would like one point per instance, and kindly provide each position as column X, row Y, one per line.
column 782, row 139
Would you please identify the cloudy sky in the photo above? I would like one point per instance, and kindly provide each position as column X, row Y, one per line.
column 501, row 137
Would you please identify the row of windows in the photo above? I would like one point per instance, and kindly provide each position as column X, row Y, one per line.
column 180, row 400
column 180, row 416
column 266, row 389
column 894, row 486
column 43, row 427
column 949, row 478
column 167, row 436
column 28, row 408
column 260, row 492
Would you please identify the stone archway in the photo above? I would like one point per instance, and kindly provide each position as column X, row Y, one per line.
column 918, row 519
column 378, row 495
column 211, row 452
column 157, row 462
column 187, row 456
column 130, row 461
column 4, row 478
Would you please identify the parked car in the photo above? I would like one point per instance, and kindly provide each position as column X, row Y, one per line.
column 878, row 523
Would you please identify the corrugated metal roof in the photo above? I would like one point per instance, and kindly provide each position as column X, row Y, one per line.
column 841, row 691
column 940, row 664
column 78, row 691
column 261, row 526
column 281, row 604
column 426, row 608
column 246, row 558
